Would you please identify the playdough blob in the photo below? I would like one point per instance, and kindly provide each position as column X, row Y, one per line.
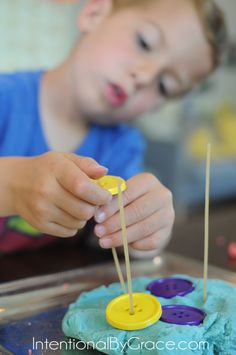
column 216, row 334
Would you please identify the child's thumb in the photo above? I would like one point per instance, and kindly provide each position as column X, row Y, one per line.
column 89, row 166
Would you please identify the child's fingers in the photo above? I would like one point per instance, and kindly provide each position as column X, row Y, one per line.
column 64, row 219
column 136, row 232
column 154, row 242
column 88, row 165
column 136, row 187
column 134, row 212
column 75, row 207
column 75, row 181
column 49, row 214
column 57, row 230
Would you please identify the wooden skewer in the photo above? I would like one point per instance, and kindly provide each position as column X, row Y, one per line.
column 206, row 226
column 116, row 260
column 126, row 248
column 118, row 269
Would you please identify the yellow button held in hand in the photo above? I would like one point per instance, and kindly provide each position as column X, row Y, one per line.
column 147, row 311
column 110, row 183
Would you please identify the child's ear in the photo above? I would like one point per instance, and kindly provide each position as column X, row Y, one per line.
column 93, row 14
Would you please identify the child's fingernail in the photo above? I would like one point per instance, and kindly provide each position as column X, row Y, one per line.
column 105, row 243
column 100, row 216
column 100, row 230
column 103, row 167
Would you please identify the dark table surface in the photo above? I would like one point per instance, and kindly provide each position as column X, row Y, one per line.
column 188, row 235
column 187, row 240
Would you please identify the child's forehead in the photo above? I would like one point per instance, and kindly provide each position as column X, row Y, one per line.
column 162, row 9
column 171, row 15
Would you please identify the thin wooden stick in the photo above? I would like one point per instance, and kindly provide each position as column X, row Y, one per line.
column 118, row 269
column 206, row 226
column 126, row 248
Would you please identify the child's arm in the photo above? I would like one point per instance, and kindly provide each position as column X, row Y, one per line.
column 149, row 215
column 53, row 191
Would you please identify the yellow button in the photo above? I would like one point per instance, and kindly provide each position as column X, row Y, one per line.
column 147, row 311
column 110, row 183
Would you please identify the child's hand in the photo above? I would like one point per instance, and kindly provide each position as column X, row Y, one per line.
column 54, row 192
column 149, row 215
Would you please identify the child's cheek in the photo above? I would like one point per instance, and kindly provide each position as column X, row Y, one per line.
column 145, row 102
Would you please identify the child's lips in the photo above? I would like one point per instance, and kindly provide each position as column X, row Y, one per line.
column 115, row 94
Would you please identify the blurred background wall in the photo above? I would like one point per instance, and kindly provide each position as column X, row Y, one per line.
column 36, row 33
column 39, row 33
column 179, row 133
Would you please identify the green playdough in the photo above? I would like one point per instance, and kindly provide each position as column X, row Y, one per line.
column 85, row 320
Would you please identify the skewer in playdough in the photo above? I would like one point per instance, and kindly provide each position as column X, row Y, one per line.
column 126, row 249
column 206, row 227
column 110, row 184
column 118, row 269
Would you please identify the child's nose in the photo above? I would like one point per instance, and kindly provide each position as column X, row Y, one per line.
column 144, row 74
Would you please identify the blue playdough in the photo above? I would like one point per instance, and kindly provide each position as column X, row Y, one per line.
column 85, row 320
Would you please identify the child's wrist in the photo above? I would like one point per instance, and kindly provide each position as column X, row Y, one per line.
column 11, row 168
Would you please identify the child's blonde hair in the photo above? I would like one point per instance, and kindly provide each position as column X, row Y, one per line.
column 211, row 17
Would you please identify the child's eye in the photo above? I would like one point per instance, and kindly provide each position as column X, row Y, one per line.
column 143, row 44
column 167, row 85
column 162, row 87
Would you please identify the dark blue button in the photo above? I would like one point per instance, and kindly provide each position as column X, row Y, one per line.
column 170, row 287
column 182, row 315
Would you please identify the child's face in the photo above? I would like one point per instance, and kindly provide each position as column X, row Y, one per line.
column 132, row 61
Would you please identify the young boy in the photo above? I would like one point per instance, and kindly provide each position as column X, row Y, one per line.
column 133, row 55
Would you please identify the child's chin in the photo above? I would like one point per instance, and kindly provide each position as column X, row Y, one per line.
column 108, row 120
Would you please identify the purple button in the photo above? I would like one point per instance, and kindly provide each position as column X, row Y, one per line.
column 182, row 315
column 170, row 287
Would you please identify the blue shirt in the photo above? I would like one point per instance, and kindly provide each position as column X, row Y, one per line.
column 120, row 148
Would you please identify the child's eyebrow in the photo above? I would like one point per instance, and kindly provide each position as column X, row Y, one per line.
column 158, row 29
